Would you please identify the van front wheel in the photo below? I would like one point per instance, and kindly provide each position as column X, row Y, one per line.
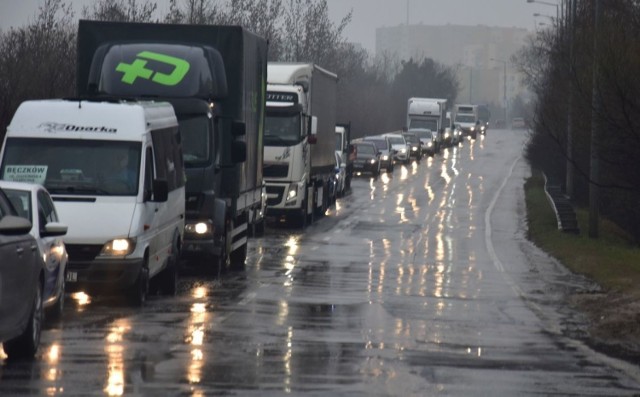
column 137, row 293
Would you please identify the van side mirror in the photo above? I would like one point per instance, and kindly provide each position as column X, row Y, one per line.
column 160, row 190
column 238, row 152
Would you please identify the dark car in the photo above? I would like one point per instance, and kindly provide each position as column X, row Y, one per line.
column 386, row 151
column 21, row 272
column 416, row 145
column 367, row 158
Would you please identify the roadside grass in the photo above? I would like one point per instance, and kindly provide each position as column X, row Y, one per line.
column 612, row 260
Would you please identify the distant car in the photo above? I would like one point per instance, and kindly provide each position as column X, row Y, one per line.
column 340, row 175
column 367, row 158
column 400, row 147
column 517, row 123
column 415, row 145
column 33, row 202
column 427, row 139
column 386, row 151
column 22, row 275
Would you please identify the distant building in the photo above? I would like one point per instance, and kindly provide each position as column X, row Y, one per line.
column 477, row 52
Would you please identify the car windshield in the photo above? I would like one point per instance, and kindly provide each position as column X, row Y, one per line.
column 365, row 149
column 21, row 201
column 73, row 166
column 397, row 140
column 411, row 138
column 381, row 144
column 465, row 119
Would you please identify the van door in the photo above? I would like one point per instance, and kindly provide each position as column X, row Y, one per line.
column 152, row 233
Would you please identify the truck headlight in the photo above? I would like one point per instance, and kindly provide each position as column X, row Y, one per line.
column 472, row 128
column 292, row 193
column 372, row 161
column 118, row 247
column 199, row 228
column 385, row 157
column 414, row 148
column 429, row 144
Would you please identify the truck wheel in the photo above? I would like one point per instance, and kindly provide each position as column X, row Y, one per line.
column 238, row 258
column 221, row 262
column 26, row 344
column 137, row 293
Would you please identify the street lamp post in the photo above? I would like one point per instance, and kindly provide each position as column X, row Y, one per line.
column 504, row 97
column 549, row 4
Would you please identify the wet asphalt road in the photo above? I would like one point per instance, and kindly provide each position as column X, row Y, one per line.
column 416, row 284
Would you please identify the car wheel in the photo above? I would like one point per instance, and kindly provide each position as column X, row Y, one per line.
column 26, row 344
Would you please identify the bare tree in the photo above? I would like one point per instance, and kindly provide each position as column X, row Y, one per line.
column 121, row 10
column 37, row 61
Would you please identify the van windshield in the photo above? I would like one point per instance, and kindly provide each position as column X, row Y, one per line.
column 74, row 167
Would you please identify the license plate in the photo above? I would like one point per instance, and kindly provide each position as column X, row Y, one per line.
column 358, row 166
column 72, row 277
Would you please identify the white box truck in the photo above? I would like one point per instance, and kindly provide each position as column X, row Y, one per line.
column 299, row 140
column 115, row 172
column 429, row 113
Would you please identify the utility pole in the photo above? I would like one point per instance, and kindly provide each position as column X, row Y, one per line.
column 570, row 169
column 594, row 173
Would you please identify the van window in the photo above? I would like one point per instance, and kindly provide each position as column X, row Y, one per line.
column 148, row 173
column 74, row 167
column 168, row 157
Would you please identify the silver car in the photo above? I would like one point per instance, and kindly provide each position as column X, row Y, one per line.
column 400, row 146
column 22, row 275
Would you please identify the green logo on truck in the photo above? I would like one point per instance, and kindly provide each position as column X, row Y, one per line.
column 137, row 69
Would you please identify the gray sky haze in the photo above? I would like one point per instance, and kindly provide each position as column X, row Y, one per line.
column 367, row 14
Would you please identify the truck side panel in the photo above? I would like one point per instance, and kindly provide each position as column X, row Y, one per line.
column 323, row 105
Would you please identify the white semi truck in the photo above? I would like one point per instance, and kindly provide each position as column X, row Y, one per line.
column 467, row 119
column 299, row 140
column 429, row 113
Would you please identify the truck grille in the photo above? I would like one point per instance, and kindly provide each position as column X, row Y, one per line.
column 275, row 170
column 274, row 190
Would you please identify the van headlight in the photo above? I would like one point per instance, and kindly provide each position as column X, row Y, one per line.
column 119, row 247
column 385, row 158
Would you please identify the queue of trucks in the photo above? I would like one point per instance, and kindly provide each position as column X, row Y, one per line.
column 211, row 137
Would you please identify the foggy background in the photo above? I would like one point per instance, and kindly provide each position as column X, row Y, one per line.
column 367, row 14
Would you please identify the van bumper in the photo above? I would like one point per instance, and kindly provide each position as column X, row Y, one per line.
column 103, row 274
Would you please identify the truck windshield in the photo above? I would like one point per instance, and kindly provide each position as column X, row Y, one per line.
column 196, row 139
column 424, row 134
column 426, row 124
column 282, row 129
column 465, row 119
column 74, row 167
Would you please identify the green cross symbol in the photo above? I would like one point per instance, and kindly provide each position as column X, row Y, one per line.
column 138, row 69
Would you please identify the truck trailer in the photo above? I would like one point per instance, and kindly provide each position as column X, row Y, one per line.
column 215, row 78
column 299, row 152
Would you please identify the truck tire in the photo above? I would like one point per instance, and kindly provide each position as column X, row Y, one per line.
column 26, row 344
column 238, row 258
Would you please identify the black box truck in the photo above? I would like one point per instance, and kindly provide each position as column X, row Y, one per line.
column 215, row 77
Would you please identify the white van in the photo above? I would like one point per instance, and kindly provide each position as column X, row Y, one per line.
column 115, row 171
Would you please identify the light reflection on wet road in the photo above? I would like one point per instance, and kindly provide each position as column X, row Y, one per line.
column 420, row 283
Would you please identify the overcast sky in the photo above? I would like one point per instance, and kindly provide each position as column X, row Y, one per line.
column 367, row 14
